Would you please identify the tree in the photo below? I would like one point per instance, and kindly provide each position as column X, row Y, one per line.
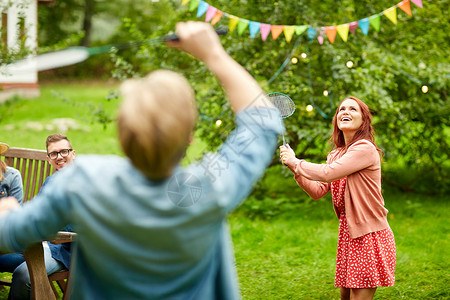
column 390, row 66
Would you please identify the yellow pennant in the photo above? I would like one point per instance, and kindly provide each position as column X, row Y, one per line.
column 184, row 2
column 391, row 14
column 343, row 31
column 233, row 23
column 288, row 32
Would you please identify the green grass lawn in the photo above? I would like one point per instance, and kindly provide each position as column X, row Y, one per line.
column 292, row 256
column 289, row 256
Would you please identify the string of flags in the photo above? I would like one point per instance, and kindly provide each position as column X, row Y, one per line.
column 214, row 15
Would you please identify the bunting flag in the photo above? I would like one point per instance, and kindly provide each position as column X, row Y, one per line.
column 364, row 25
column 288, row 32
column 202, row 8
column 391, row 14
column 320, row 39
column 210, row 13
column 254, row 28
column 214, row 15
column 331, row 33
column 276, row 30
column 300, row 29
column 265, row 30
column 418, row 3
column 375, row 21
column 242, row 25
column 233, row 22
column 406, row 7
column 352, row 26
column 343, row 31
column 311, row 33
column 193, row 4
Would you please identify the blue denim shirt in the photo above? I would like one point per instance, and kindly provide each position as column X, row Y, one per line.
column 60, row 252
column 12, row 184
column 142, row 239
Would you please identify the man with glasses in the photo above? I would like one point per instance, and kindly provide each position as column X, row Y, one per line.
column 57, row 256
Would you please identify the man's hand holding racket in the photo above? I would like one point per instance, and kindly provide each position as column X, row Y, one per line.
column 201, row 41
column 198, row 39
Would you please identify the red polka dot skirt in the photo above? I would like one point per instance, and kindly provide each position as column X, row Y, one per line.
column 367, row 261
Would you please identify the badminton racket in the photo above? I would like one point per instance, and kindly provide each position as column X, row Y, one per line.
column 74, row 55
column 285, row 105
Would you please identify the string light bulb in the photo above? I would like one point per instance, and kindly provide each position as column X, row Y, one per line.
column 349, row 64
column 424, row 89
column 309, row 108
column 294, row 60
column 303, row 55
column 218, row 123
column 325, row 93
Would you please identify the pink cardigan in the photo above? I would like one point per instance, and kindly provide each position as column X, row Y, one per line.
column 364, row 204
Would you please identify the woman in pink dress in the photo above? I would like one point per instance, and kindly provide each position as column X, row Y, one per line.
column 366, row 247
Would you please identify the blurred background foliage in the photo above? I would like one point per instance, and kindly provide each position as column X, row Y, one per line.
column 389, row 69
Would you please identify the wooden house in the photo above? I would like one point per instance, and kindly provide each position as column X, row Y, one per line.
column 19, row 27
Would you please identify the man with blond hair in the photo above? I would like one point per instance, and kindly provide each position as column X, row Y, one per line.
column 147, row 227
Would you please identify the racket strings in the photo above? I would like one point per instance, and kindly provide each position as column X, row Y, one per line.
column 283, row 103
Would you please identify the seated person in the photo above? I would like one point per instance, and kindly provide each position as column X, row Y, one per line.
column 56, row 256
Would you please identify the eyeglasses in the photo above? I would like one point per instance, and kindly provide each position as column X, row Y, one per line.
column 63, row 152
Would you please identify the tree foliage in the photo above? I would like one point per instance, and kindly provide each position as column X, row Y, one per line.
column 390, row 67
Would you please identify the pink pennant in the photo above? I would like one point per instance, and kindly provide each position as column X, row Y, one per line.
column 320, row 39
column 210, row 13
column 353, row 26
column 265, row 30
column 418, row 3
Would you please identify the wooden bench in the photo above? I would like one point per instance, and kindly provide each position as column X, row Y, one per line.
column 34, row 169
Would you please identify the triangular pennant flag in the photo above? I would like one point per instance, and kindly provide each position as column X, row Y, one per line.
column 391, row 14
column 184, row 2
column 331, row 33
column 193, row 4
column 311, row 33
column 320, row 39
column 343, row 31
column 300, row 29
column 405, row 6
column 233, row 22
column 202, row 8
column 364, row 25
column 242, row 25
column 216, row 17
column 418, row 3
column 254, row 28
column 288, row 32
column 210, row 13
column 265, row 30
column 353, row 26
column 375, row 22
column 276, row 31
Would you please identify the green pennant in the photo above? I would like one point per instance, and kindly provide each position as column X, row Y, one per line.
column 300, row 29
column 193, row 4
column 375, row 22
column 242, row 25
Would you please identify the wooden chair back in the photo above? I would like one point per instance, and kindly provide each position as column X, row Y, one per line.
column 33, row 166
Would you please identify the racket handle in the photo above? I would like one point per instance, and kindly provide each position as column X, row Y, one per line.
column 174, row 37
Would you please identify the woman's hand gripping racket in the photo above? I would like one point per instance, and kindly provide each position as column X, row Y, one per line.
column 285, row 105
